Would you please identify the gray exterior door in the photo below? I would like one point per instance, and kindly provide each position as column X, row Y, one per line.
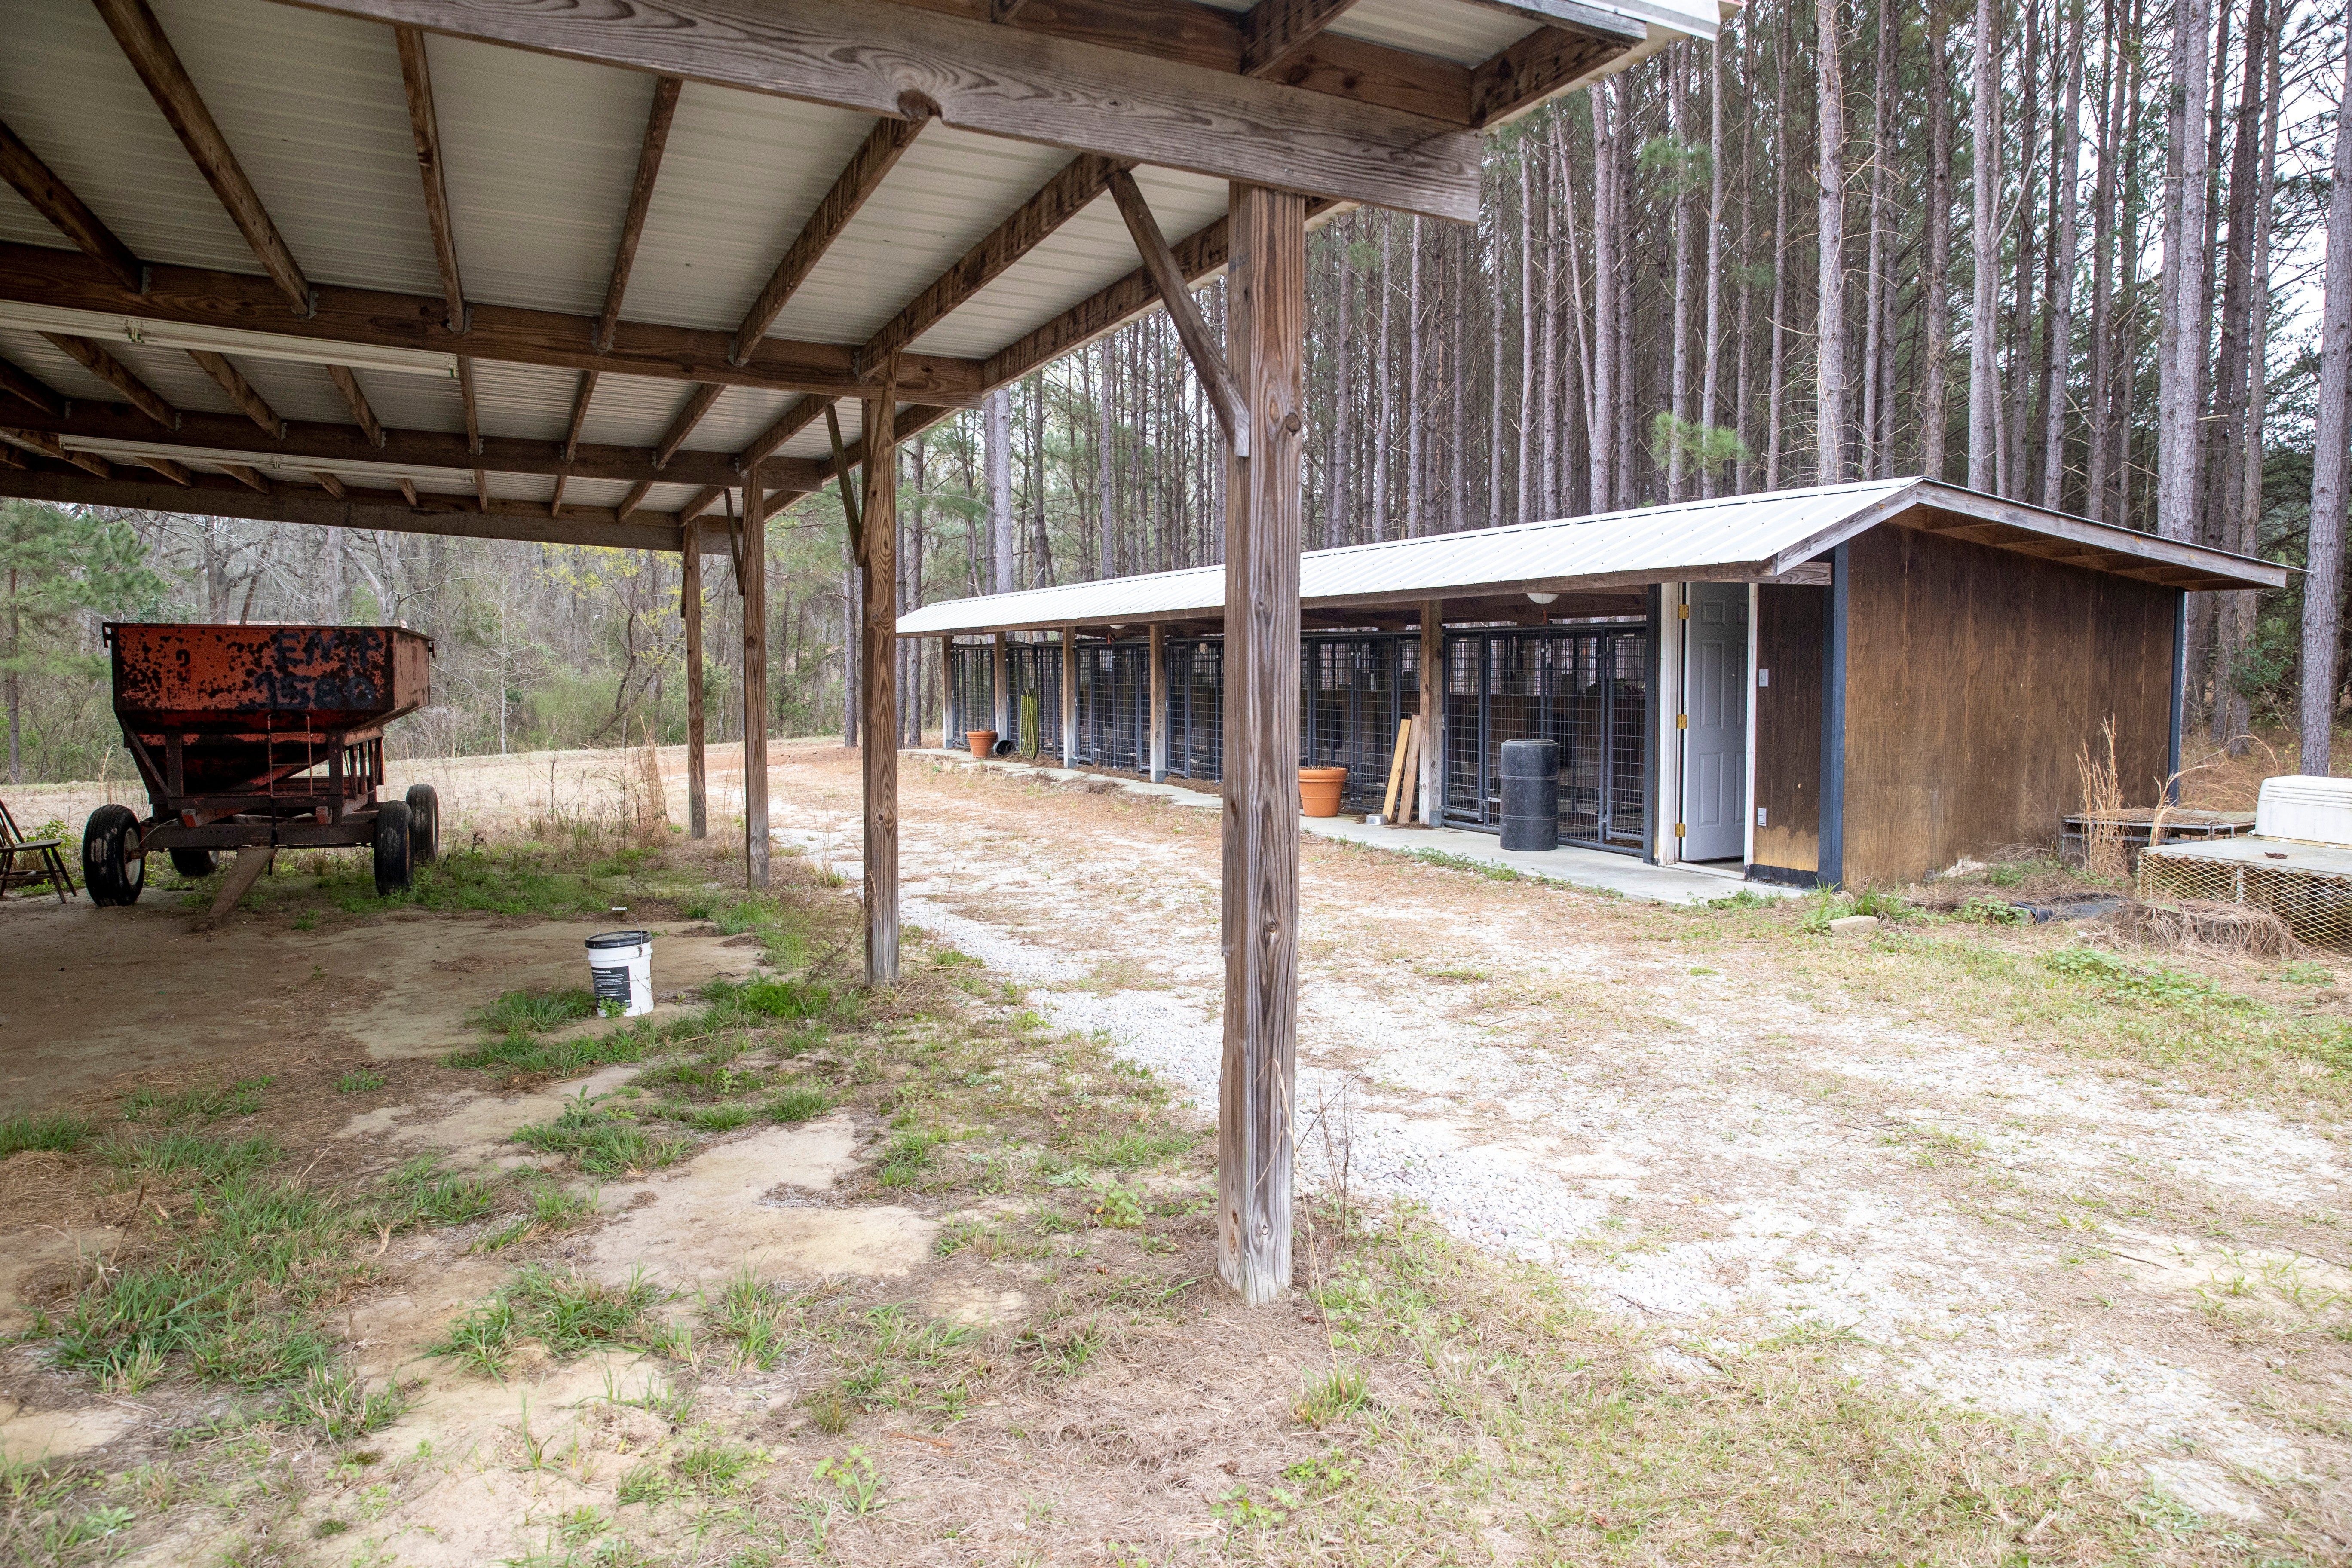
column 1714, row 739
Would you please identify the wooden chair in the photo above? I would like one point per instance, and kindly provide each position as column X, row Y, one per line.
column 31, row 863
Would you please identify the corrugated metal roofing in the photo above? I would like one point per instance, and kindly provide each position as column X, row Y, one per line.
column 1747, row 535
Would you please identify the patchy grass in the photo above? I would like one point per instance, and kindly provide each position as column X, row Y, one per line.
column 603, row 1139
column 209, row 1103
column 58, row 1134
column 567, row 1312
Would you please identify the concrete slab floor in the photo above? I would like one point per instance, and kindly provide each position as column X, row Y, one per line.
column 1595, row 869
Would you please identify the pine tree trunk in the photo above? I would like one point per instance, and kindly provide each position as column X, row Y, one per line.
column 1830, row 378
column 1494, row 340
column 1529, row 405
column 1938, row 284
column 2323, row 589
column 1984, row 241
column 1601, row 426
column 2102, row 238
column 1383, row 372
column 1711, row 348
column 1774, row 381
column 2177, row 399
column 2234, row 713
column 1875, row 461
column 1415, row 420
column 1741, row 409
column 1457, row 347
column 1678, row 374
column 1583, row 357
column 1547, row 369
column 2069, row 145
column 2011, row 462
column 1343, row 357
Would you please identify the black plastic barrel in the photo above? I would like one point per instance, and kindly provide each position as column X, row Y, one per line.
column 1530, row 795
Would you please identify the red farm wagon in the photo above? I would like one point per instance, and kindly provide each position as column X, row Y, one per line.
column 260, row 737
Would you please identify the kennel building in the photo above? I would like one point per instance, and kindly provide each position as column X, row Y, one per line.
column 1850, row 684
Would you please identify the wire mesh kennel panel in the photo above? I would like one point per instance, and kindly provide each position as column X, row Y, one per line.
column 2307, row 885
column 1353, row 693
column 1196, row 708
column 1584, row 691
column 971, row 691
column 1114, row 705
column 1034, row 671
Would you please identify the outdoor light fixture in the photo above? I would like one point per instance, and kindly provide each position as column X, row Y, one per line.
column 1542, row 598
column 227, row 341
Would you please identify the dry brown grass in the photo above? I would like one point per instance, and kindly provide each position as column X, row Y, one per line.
column 2103, row 855
column 2205, row 925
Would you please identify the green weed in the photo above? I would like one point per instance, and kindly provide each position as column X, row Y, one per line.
column 601, row 1140
column 210, row 1103
column 802, row 1102
column 359, row 1080
column 342, row 1405
column 56, row 1133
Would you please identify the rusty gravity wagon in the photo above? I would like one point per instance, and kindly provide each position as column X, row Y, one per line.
column 257, row 737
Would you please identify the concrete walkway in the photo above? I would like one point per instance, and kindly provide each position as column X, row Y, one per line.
column 1595, row 869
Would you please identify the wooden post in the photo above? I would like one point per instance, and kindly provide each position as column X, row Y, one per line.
column 1265, row 315
column 1000, row 671
column 1069, row 697
column 1433, row 712
column 689, row 595
column 878, row 511
column 755, row 680
column 1158, row 657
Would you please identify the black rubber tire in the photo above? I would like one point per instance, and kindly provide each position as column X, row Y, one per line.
column 112, row 868
column 423, row 824
column 192, row 862
column 393, row 865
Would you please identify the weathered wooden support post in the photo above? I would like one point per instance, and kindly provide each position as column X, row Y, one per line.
column 1432, row 712
column 1001, row 688
column 689, row 599
column 1069, row 697
column 878, row 516
column 1158, row 657
column 1265, row 314
column 754, row 571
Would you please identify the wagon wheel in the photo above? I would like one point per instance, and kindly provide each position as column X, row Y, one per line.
column 193, row 863
column 393, row 865
column 113, row 866
column 424, row 824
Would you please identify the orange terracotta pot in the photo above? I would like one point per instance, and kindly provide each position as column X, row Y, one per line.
column 1318, row 790
column 982, row 742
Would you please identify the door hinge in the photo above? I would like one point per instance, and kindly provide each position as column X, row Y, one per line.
column 1678, row 831
column 1684, row 611
column 1682, row 720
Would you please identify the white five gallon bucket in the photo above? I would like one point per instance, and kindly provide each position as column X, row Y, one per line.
column 621, row 967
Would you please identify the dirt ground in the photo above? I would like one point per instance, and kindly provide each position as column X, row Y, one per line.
column 1760, row 1169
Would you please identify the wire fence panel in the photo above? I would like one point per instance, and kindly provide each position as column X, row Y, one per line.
column 1114, row 705
column 1034, row 673
column 1353, row 693
column 1586, row 691
column 1196, row 708
column 971, row 692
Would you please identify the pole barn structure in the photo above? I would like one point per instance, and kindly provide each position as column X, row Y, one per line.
column 639, row 273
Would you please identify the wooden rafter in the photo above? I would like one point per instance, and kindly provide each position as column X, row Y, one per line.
column 416, row 80
column 1176, row 294
column 859, row 179
column 362, row 410
column 641, row 196
column 250, row 476
column 408, row 490
column 27, row 387
column 328, row 483
column 1062, row 198
column 473, row 430
column 697, row 404
column 118, row 375
column 1276, row 32
column 158, row 64
column 240, row 391
column 1140, row 105
column 194, row 297
column 633, row 500
column 175, row 472
column 55, row 200
column 1547, row 61
column 324, row 442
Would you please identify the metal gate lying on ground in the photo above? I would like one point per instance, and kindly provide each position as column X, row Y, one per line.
column 1588, row 689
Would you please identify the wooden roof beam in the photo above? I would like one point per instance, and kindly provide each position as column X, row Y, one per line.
column 473, row 428
column 362, row 412
column 240, row 391
column 641, row 197
column 118, row 375
column 697, row 405
column 859, row 179
column 175, row 472
column 416, row 82
column 1137, row 105
column 27, row 387
column 314, row 443
column 1547, row 61
column 55, row 200
column 1276, row 32
column 1062, row 198
column 158, row 64
column 190, row 296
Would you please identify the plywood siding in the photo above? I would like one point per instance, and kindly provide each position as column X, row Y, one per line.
column 1791, row 643
column 1973, row 674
